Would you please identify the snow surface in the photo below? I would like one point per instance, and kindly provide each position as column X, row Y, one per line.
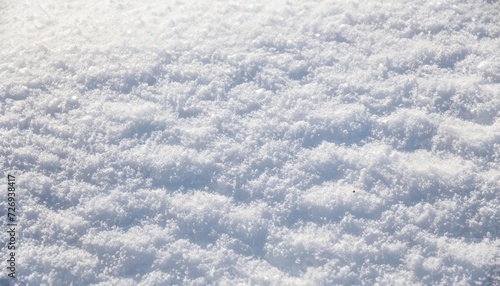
column 219, row 142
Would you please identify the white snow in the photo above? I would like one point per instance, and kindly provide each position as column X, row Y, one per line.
column 315, row 142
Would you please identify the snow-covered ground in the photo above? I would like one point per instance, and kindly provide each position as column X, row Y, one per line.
column 221, row 142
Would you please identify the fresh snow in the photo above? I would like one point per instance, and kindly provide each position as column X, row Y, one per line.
column 252, row 143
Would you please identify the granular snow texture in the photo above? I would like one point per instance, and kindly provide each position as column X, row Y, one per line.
column 264, row 143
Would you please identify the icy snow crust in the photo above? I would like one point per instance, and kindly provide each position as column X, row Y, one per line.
column 219, row 142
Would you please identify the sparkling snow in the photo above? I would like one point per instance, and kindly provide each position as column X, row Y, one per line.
column 219, row 142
